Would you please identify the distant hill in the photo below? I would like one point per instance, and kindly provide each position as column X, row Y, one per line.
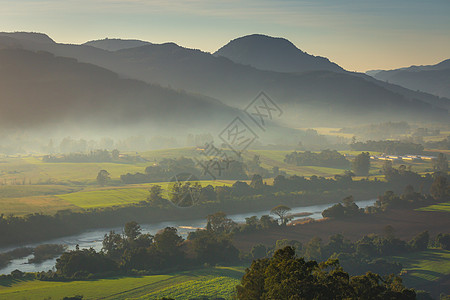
column 312, row 98
column 274, row 54
column 115, row 44
column 29, row 36
column 39, row 89
column 433, row 79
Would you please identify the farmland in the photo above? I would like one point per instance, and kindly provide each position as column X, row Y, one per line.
column 214, row 281
column 30, row 185
column 121, row 196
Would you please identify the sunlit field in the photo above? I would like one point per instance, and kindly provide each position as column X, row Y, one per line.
column 437, row 207
column 31, row 185
column 211, row 282
column 424, row 267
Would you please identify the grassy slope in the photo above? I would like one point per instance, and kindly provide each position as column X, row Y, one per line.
column 218, row 281
column 437, row 207
column 425, row 267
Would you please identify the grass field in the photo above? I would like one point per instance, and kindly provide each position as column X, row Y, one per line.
column 105, row 197
column 437, row 207
column 424, row 267
column 56, row 186
column 216, row 281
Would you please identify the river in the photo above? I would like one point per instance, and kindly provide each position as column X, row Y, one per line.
column 93, row 238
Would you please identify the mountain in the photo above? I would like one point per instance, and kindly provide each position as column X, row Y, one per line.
column 42, row 90
column 29, row 36
column 115, row 44
column 313, row 98
column 274, row 54
column 433, row 79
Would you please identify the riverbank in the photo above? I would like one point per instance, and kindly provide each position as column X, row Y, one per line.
column 93, row 238
column 38, row 228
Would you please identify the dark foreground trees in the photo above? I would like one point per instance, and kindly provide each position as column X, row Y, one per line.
column 286, row 276
column 134, row 252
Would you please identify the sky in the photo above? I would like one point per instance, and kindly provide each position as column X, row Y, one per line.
column 359, row 35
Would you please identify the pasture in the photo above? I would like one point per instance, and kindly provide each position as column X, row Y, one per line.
column 105, row 197
column 213, row 281
column 29, row 185
column 425, row 269
column 437, row 207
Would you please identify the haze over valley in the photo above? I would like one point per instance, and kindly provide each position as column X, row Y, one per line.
column 224, row 150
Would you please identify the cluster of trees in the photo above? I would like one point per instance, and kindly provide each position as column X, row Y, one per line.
column 389, row 147
column 364, row 255
column 326, row 158
column 282, row 189
column 361, row 164
column 135, row 252
column 92, row 156
column 286, row 190
column 443, row 144
column 379, row 131
column 348, row 208
column 439, row 191
column 169, row 167
column 287, row 276
column 440, row 164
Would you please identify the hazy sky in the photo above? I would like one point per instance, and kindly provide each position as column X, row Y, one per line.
column 357, row 34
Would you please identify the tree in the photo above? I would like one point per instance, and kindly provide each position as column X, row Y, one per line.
column 361, row 164
column 443, row 240
column 103, row 177
column 212, row 248
column 257, row 182
column 113, row 244
column 336, row 211
column 420, row 241
column 132, row 230
column 115, row 154
column 282, row 212
column 219, row 223
column 441, row 163
column 155, row 194
column 286, row 276
column 440, row 189
column 168, row 241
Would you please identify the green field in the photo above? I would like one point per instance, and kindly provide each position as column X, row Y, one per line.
column 437, row 207
column 217, row 281
column 423, row 268
column 121, row 196
column 29, row 185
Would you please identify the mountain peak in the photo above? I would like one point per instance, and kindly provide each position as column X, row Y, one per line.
column 273, row 53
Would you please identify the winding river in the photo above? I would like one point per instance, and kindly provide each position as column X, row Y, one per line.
column 93, row 238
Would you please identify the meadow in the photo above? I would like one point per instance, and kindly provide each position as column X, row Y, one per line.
column 437, row 207
column 29, row 185
column 210, row 281
column 104, row 197
column 425, row 268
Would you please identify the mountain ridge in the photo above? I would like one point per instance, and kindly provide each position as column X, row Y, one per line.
column 433, row 79
column 328, row 96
